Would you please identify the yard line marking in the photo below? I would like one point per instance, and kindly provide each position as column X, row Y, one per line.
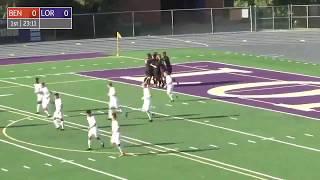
column 5, row 170
column 66, row 161
column 90, row 159
column 168, row 149
column 206, row 121
column 47, row 164
column 314, row 64
column 232, row 143
column 101, row 112
column 81, row 65
column 4, row 95
column 250, row 141
column 26, row 167
column 233, row 118
column 191, row 147
column 260, row 89
column 109, row 63
column 11, row 71
column 184, row 103
column 290, row 137
column 211, row 145
column 68, row 66
column 95, row 64
column 202, row 102
column 169, row 105
column 112, row 157
column 7, row 87
column 26, row 70
column 188, row 56
column 152, row 152
column 310, row 135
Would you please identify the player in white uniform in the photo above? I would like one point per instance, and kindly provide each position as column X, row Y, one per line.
column 146, row 107
column 113, row 101
column 115, row 137
column 92, row 129
column 170, row 85
column 58, row 114
column 37, row 91
column 45, row 98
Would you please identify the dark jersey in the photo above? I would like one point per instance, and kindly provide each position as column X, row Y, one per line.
column 167, row 61
column 149, row 68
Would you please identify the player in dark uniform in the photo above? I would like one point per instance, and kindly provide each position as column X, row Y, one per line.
column 154, row 67
column 156, row 71
column 149, row 69
column 167, row 63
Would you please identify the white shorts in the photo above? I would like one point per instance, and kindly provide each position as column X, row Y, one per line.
column 169, row 89
column 58, row 115
column 115, row 138
column 45, row 102
column 93, row 132
column 113, row 103
column 39, row 97
column 146, row 105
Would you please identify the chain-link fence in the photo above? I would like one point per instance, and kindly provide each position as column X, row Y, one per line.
column 180, row 21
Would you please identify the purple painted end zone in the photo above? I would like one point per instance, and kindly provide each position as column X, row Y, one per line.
column 307, row 93
column 60, row 57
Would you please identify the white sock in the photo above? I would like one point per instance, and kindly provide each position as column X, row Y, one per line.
column 120, row 150
column 46, row 111
column 109, row 113
column 55, row 122
column 149, row 115
column 38, row 107
column 89, row 143
column 62, row 124
column 170, row 96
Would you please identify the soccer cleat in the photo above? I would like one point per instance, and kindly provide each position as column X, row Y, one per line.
column 171, row 100
column 89, row 149
column 102, row 145
column 150, row 120
column 122, row 154
column 126, row 114
column 37, row 113
column 61, row 129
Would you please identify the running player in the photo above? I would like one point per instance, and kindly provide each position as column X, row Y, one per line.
column 58, row 114
column 45, row 98
column 115, row 137
column 113, row 100
column 169, row 82
column 146, row 101
column 37, row 91
column 92, row 130
column 167, row 63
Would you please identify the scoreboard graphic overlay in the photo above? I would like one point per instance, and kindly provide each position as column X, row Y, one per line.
column 39, row 17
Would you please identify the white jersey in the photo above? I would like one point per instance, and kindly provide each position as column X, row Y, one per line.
column 58, row 104
column 37, row 88
column 169, row 80
column 114, row 126
column 91, row 121
column 45, row 92
column 112, row 92
column 146, row 93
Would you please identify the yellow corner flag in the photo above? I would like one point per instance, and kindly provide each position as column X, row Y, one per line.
column 118, row 37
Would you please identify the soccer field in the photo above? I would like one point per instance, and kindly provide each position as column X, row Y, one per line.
column 237, row 116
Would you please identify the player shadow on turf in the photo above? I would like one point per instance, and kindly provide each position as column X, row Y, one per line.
column 179, row 151
column 83, row 110
column 215, row 116
column 24, row 125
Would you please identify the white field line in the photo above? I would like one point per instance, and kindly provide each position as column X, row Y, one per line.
column 90, row 159
column 47, row 164
column 260, row 89
column 214, row 146
column 310, row 135
column 61, row 159
column 290, row 137
column 112, row 157
column 250, row 141
column 232, row 143
column 26, row 167
column 194, row 148
column 4, row 95
column 7, row 87
column 5, row 170
column 25, row 113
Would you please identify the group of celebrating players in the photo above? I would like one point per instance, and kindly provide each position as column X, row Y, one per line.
column 158, row 74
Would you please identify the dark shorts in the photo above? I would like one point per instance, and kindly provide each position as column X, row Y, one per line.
column 169, row 70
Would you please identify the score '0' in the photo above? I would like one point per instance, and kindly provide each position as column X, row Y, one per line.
column 34, row 13
column 66, row 13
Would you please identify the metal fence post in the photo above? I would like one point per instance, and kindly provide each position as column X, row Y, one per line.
column 211, row 13
column 94, row 25
column 133, row 24
column 251, row 28
column 307, row 16
column 272, row 17
column 291, row 18
column 255, row 18
column 172, row 28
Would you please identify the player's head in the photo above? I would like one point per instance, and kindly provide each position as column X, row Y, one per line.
column 88, row 112
column 110, row 84
column 57, row 95
column 158, row 56
column 155, row 54
column 114, row 116
column 164, row 53
column 149, row 56
column 37, row 80
column 43, row 84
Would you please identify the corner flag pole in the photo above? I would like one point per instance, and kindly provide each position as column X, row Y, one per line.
column 118, row 37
